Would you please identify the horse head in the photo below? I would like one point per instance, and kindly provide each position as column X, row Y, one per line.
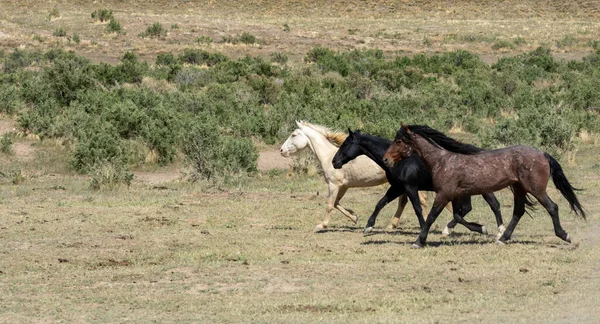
column 297, row 141
column 401, row 148
column 348, row 151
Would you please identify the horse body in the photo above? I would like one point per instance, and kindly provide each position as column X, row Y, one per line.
column 458, row 170
column 360, row 173
column 407, row 176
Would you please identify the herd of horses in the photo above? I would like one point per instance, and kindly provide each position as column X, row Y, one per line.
column 421, row 158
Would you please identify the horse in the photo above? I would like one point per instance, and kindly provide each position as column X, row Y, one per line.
column 406, row 177
column 458, row 170
column 362, row 172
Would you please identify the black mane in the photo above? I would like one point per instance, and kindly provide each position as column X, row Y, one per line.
column 438, row 139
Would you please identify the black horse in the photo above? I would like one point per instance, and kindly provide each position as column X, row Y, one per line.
column 407, row 176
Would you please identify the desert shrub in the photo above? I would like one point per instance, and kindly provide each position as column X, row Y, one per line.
column 214, row 155
column 68, row 75
column 59, row 32
column 191, row 77
column 105, row 174
column 200, row 57
column 155, row 30
column 6, row 142
column 166, row 59
column 10, row 99
column 130, row 70
column 76, row 38
column 114, row 26
column 248, row 38
column 279, row 57
column 540, row 126
column 102, row 15
column 19, row 59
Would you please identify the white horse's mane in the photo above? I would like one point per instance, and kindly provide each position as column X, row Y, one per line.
column 334, row 137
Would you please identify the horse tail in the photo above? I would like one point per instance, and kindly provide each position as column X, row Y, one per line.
column 563, row 185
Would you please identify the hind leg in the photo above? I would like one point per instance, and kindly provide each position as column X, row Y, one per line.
column 552, row 209
column 462, row 206
column 518, row 211
column 402, row 201
column 490, row 198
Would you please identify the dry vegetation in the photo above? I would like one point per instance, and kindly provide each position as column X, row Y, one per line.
column 169, row 251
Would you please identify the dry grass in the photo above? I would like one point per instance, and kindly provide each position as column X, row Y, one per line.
column 393, row 26
column 173, row 252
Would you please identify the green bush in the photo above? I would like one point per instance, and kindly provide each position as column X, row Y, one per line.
column 59, row 32
column 155, row 30
column 114, row 26
column 213, row 155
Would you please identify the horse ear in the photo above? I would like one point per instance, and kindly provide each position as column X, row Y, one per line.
column 299, row 123
column 406, row 129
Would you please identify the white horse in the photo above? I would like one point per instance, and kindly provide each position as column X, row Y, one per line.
column 360, row 172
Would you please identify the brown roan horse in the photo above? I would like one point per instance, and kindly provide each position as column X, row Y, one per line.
column 458, row 171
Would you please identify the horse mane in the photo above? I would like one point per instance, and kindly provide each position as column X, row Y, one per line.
column 334, row 137
column 439, row 139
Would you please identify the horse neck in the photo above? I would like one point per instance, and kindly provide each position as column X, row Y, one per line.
column 374, row 148
column 430, row 154
column 322, row 148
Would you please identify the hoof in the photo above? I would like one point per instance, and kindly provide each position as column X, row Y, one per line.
column 355, row 219
column 499, row 235
column 390, row 228
column 447, row 231
column 498, row 242
column 568, row 238
column 368, row 230
column 320, row 228
column 416, row 246
column 484, row 230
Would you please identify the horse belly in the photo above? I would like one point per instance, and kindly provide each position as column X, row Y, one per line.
column 364, row 174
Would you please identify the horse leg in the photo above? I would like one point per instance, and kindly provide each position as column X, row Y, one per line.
column 490, row 198
column 340, row 194
column 402, row 201
column 450, row 226
column 392, row 193
column 518, row 211
column 436, row 209
column 423, row 199
column 552, row 209
column 461, row 207
column 331, row 199
column 413, row 195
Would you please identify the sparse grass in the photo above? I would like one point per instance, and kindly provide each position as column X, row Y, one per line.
column 54, row 13
column 204, row 40
column 248, row 253
column 567, row 41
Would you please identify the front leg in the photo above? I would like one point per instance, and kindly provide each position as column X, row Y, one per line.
column 392, row 193
column 413, row 195
column 331, row 199
column 436, row 209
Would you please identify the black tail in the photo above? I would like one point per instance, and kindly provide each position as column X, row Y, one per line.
column 563, row 185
